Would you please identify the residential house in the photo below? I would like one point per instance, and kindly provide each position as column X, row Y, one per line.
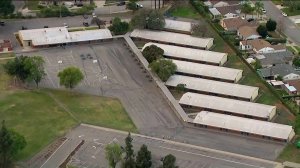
column 229, row 11
column 233, row 24
column 248, row 33
column 287, row 72
column 219, row 3
column 215, row 13
column 274, row 58
column 261, row 46
column 5, row 46
column 291, row 90
column 294, row 83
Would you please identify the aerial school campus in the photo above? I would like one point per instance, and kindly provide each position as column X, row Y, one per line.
column 200, row 98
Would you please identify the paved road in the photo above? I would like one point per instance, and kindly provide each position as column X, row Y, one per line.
column 92, row 153
column 289, row 27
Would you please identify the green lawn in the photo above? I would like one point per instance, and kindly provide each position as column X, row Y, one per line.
column 291, row 153
column 291, row 13
column 186, row 11
column 276, row 2
column 32, row 4
column 38, row 116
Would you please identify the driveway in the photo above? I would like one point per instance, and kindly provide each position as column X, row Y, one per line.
column 290, row 29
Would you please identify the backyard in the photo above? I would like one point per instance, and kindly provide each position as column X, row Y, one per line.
column 43, row 115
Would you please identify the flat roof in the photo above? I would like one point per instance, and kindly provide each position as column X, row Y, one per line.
column 169, row 37
column 252, row 126
column 190, row 53
column 58, row 35
column 230, row 105
column 207, row 70
column 178, row 25
column 212, row 86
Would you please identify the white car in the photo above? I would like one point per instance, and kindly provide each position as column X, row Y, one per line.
column 139, row 5
column 66, row 25
column 284, row 14
column 264, row 11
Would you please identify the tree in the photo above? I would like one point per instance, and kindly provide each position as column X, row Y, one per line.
column 155, row 20
column 152, row 53
column 6, row 7
column 181, row 87
column 129, row 161
column 11, row 143
column 70, row 77
column 118, row 27
column 262, row 31
column 296, row 61
column 246, row 8
column 258, row 8
column 113, row 154
column 169, row 162
column 163, row 68
column 35, row 67
column 143, row 158
column 98, row 22
column 271, row 25
column 16, row 68
column 150, row 19
column 138, row 21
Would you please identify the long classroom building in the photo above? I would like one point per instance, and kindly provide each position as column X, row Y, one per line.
column 191, row 54
column 244, row 126
column 216, row 88
column 228, row 106
column 208, row 71
column 173, row 38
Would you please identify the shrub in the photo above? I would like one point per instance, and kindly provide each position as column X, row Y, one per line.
column 152, row 53
column 262, row 31
column 271, row 25
column 118, row 27
column 163, row 68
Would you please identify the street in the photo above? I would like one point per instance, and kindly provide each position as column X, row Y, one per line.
column 289, row 27
column 92, row 152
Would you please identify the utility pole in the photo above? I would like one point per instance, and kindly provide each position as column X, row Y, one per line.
column 155, row 3
column 158, row 4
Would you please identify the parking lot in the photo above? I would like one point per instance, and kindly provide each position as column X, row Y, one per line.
column 110, row 70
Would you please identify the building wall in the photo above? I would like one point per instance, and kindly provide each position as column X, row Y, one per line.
column 230, row 15
column 254, row 94
column 224, row 60
column 238, row 77
column 210, row 44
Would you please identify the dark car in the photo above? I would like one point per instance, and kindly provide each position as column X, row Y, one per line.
column 86, row 24
column 24, row 28
column 2, row 23
column 250, row 20
column 46, row 26
column 121, row 3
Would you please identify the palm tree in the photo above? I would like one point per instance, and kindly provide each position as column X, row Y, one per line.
column 258, row 8
column 246, row 8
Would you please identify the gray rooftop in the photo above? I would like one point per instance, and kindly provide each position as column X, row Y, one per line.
column 278, row 69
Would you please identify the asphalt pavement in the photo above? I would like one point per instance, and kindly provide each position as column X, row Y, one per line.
column 290, row 29
column 92, row 153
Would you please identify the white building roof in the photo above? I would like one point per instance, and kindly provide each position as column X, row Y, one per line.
column 214, row 11
column 178, row 25
column 58, row 35
column 207, row 70
column 190, row 53
column 229, row 105
column 290, row 88
column 252, row 126
column 212, row 86
column 169, row 37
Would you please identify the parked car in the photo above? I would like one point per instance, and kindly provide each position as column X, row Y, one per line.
column 250, row 20
column 264, row 11
column 122, row 3
column 46, row 27
column 139, row 5
column 24, row 28
column 284, row 14
column 86, row 24
column 2, row 23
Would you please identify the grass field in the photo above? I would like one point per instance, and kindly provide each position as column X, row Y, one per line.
column 186, row 11
column 32, row 4
column 44, row 115
column 291, row 13
column 276, row 2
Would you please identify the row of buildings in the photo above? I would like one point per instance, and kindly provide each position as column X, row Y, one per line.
column 211, row 90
